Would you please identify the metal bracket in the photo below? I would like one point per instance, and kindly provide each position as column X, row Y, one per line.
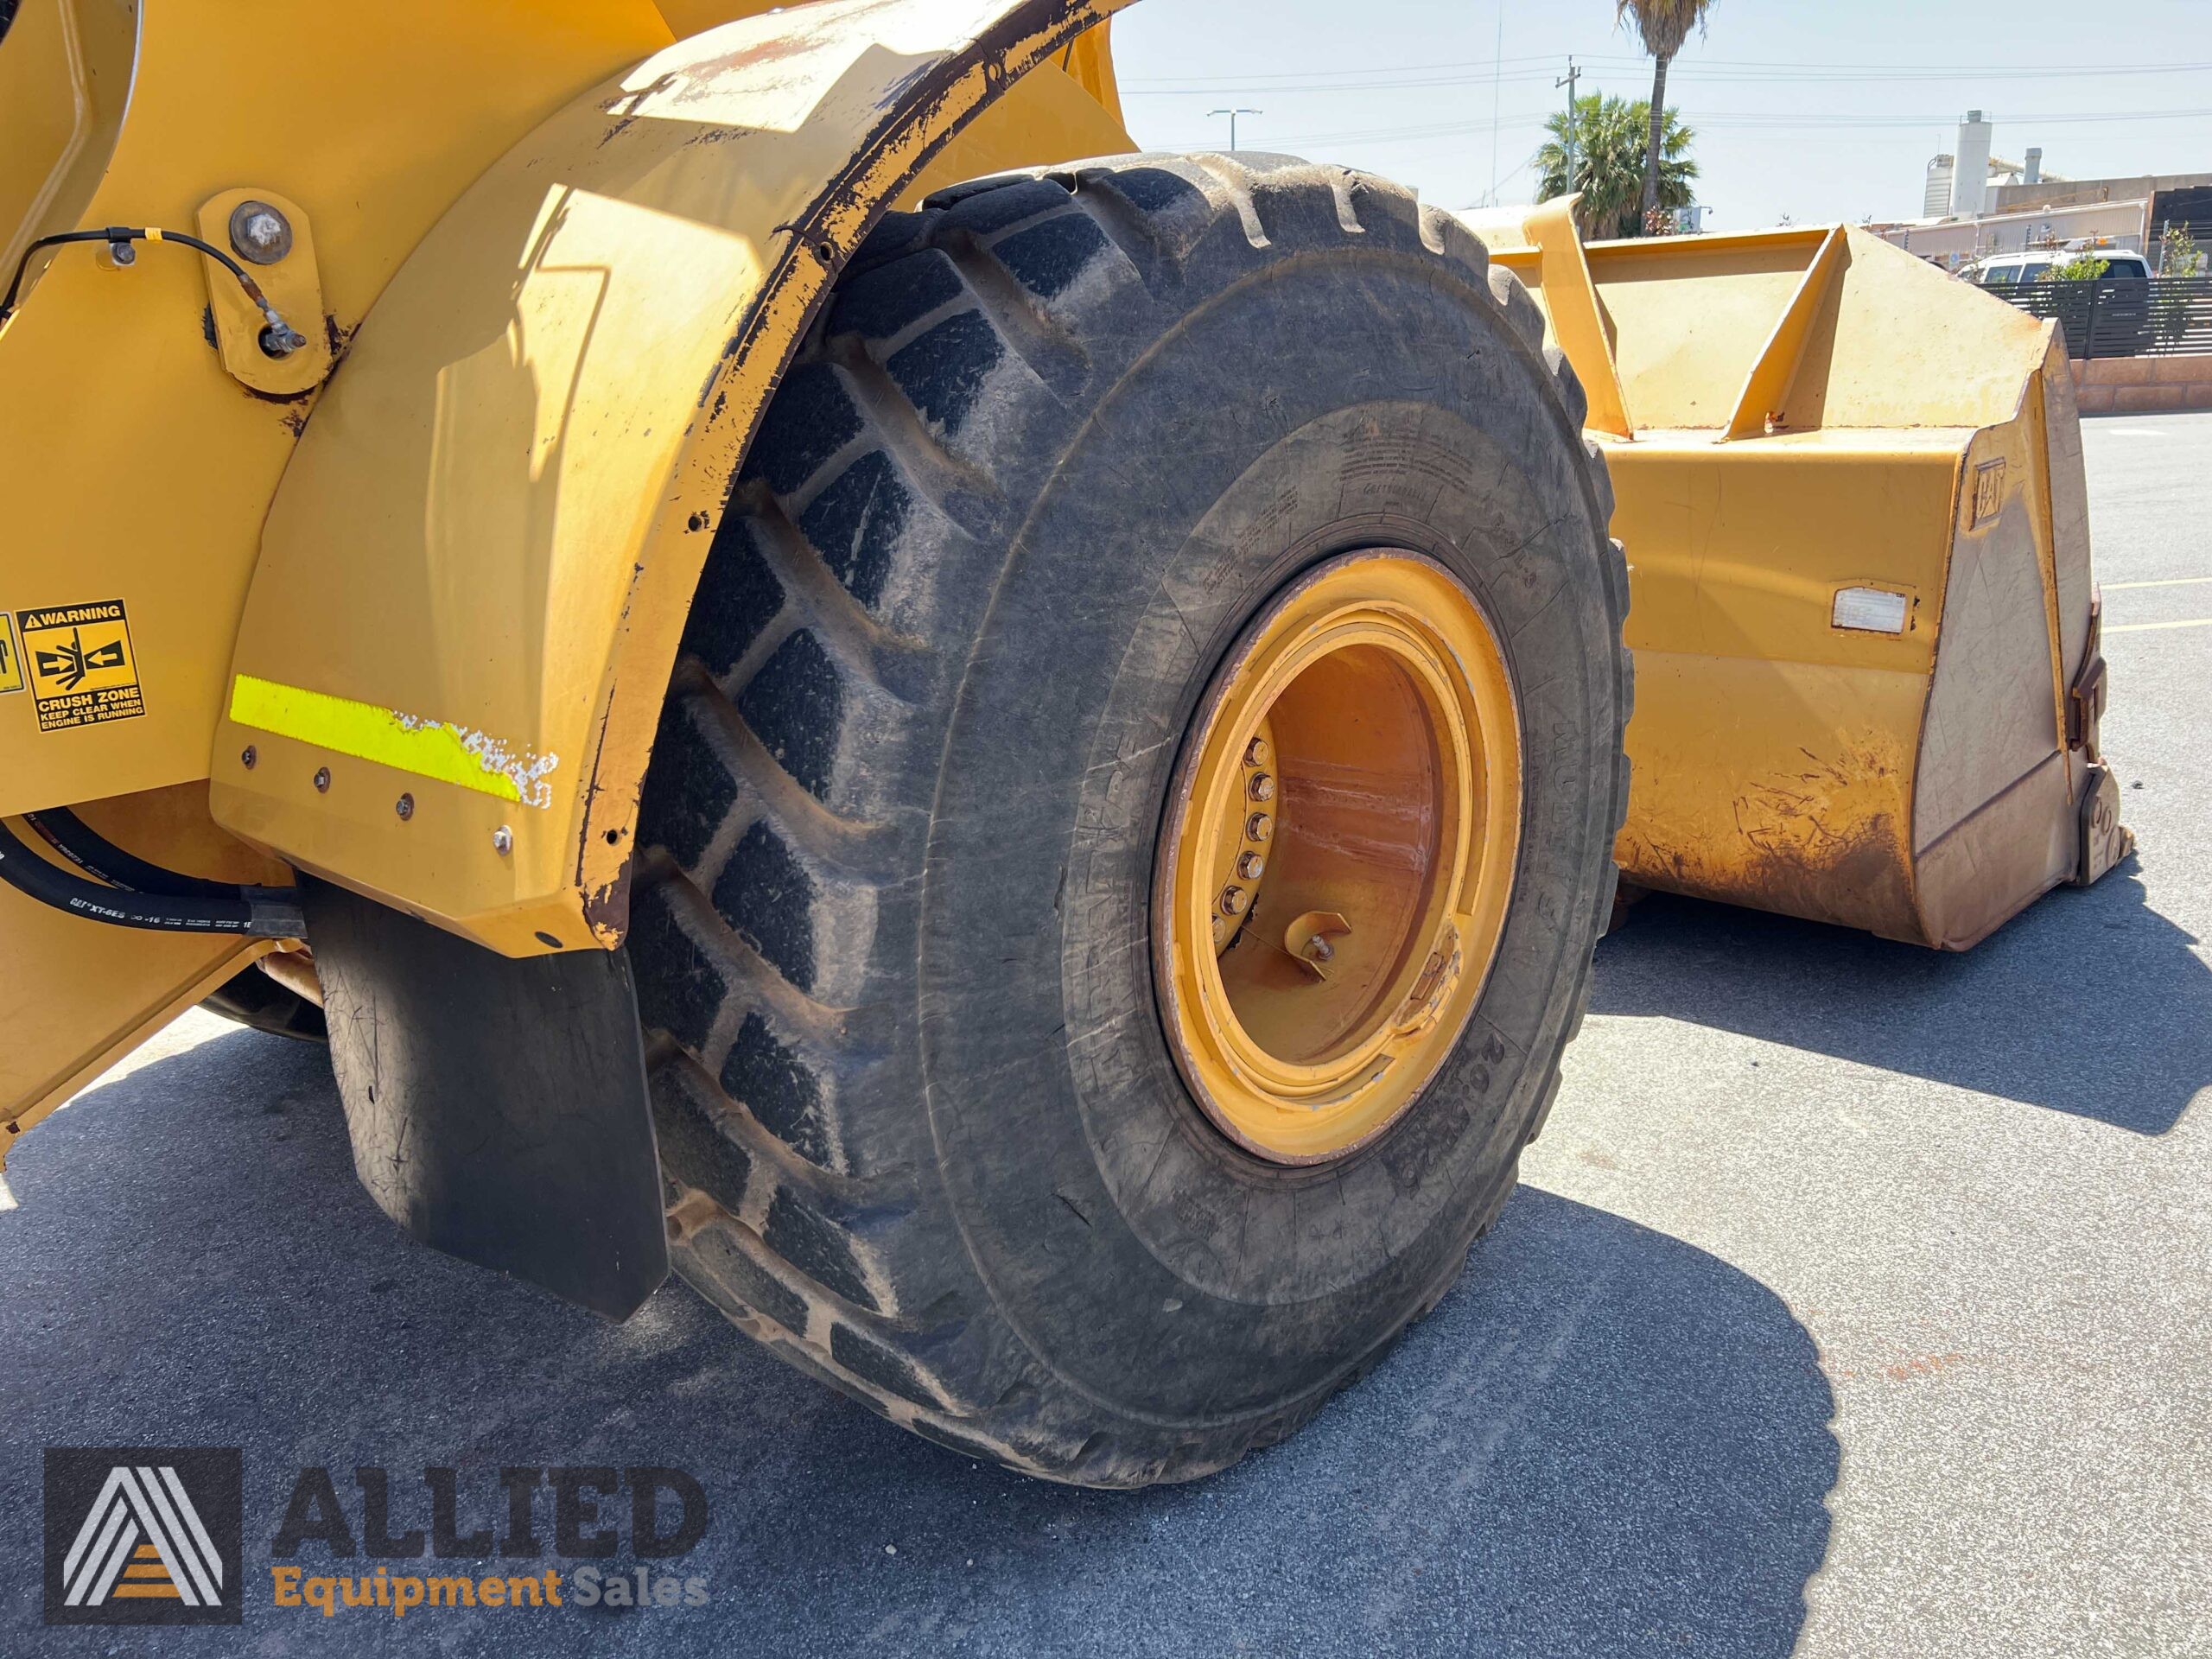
column 292, row 281
column 2085, row 698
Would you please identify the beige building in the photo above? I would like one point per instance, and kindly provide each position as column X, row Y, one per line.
column 2068, row 192
column 1952, row 243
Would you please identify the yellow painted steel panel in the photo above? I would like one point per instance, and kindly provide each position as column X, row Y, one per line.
column 78, row 994
column 1049, row 114
column 132, row 465
column 95, row 994
column 1782, row 785
column 1738, row 550
column 1773, row 751
column 1687, row 337
column 1904, row 345
column 63, row 85
column 499, row 512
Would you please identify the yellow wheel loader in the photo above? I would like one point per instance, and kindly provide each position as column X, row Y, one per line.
column 1011, row 760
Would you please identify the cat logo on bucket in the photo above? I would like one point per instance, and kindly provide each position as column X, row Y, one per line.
column 143, row 1535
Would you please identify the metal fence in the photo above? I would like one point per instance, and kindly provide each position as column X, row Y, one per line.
column 2165, row 316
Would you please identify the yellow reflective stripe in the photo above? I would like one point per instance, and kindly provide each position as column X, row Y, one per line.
column 427, row 748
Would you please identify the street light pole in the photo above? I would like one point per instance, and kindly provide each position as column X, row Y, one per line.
column 1232, row 115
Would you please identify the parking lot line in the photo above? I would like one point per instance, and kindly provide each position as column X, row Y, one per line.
column 2169, row 582
column 2147, row 628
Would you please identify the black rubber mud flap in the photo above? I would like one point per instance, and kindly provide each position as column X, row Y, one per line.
column 498, row 1107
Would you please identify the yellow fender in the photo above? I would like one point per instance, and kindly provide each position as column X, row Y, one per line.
column 477, row 568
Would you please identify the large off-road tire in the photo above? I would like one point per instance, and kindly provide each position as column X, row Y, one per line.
column 1052, row 445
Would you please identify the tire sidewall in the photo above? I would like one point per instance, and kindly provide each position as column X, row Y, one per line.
column 1302, row 406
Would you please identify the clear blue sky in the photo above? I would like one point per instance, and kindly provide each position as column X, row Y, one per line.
column 1816, row 111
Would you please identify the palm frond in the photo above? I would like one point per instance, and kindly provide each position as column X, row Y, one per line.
column 1662, row 25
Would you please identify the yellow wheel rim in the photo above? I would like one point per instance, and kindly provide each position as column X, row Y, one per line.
column 1338, row 854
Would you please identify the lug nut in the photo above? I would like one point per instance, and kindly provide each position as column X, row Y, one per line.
column 1235, row 901
column 322, row 780
column 1250, row 865
column 1262, row 787
column 1256, row 753
column 405, row 806
column 1259, row 827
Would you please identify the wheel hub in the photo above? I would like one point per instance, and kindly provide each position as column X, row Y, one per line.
column 1338, row 854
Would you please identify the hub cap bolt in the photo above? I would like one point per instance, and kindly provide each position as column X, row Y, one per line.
column 1262, row 787
column 1259, row 827
column 1235, row 901
column 1250, row 865
column 1255, row 753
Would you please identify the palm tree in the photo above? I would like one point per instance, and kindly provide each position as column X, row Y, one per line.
column 1662, row 25
column 1600, row 153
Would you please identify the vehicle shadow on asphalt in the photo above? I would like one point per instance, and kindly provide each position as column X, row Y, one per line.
column 1603, row 1442
column 2089, row 1002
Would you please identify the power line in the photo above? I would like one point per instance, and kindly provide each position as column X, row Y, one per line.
column 1383, row 69
column 1790, row 118
column 1496, row 82
column 1417, row 76
column 1728, row 121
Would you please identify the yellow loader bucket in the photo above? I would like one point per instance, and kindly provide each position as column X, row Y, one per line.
column 1866, row 636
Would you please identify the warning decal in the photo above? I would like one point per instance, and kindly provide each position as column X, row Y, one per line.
column 11, row 660
column 78, row 661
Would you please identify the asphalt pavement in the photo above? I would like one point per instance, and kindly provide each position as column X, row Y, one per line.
column 1857, row 1302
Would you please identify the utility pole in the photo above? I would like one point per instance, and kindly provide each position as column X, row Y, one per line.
column 1232, row 115
column 1568, row 81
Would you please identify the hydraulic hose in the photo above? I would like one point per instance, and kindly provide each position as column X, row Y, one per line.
column 256, row 913
column 90, row 851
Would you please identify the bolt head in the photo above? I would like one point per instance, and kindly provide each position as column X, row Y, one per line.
column 248, row 755
column 1259, row 827
column 1235, row 901
column 405, row 806
column 322, row 780
column 503, row 841
column 1250, row 865
column 1262, row 788
column 260, row 233
column 1256, row 753
column 1319, row 949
